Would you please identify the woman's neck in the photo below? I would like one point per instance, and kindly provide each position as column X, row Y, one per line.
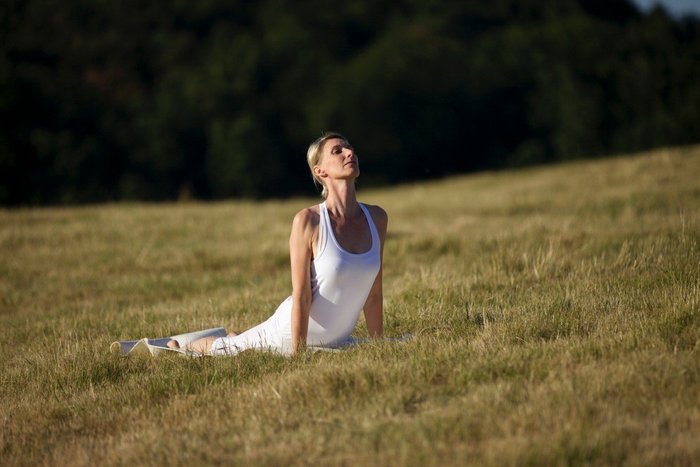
column 342, row 199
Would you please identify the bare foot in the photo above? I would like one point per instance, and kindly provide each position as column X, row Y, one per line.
column 231, row 334
column 173, row 344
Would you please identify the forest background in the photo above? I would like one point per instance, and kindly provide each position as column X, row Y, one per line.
column 160, row 100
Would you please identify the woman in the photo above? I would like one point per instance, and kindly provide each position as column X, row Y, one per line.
column 336, row 250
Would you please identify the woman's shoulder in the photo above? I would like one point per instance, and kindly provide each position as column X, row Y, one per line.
column 379, row 215
column 307, row 217
column 376, row 211
column 305, row 227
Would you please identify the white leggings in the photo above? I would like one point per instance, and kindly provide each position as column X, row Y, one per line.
column 274, row 334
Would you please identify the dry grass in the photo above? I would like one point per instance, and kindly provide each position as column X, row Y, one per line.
column 556, row 309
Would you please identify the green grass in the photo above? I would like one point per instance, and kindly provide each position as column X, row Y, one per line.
column 556, row 312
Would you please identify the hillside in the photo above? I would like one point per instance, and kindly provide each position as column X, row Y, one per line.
column 556, row 315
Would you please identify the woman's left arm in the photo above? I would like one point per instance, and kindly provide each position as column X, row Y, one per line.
column 374, row 306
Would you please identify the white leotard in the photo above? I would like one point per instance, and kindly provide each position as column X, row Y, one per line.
column 340, row 284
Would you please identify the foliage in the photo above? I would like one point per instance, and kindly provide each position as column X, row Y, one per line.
column 165, row 99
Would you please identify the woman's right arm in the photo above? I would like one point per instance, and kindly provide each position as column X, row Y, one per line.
column 301, row 254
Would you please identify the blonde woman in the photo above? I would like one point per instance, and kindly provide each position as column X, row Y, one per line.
column 336, row 250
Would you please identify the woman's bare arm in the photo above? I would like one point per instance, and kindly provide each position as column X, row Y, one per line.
column 300, row 254
column 374, row 306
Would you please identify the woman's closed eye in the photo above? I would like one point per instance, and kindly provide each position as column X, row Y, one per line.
column 338, row 148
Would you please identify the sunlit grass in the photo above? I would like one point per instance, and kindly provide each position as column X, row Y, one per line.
column 556, row 315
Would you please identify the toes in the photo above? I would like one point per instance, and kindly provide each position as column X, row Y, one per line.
column 173, row 344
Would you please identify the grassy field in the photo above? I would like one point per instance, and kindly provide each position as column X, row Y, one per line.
column 556, row 314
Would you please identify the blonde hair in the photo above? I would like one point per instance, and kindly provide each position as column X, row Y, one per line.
column 314, row 153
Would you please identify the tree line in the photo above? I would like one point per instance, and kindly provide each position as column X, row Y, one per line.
column 105, row 101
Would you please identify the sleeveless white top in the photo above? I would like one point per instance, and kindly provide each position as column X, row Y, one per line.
column 340, row 284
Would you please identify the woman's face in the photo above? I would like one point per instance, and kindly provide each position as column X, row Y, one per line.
column 339, row 160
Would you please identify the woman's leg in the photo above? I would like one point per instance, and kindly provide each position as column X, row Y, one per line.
column 202, row 345
column 265, row 335
column 258, row 337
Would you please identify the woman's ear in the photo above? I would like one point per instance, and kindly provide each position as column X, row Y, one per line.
column 319, row 172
